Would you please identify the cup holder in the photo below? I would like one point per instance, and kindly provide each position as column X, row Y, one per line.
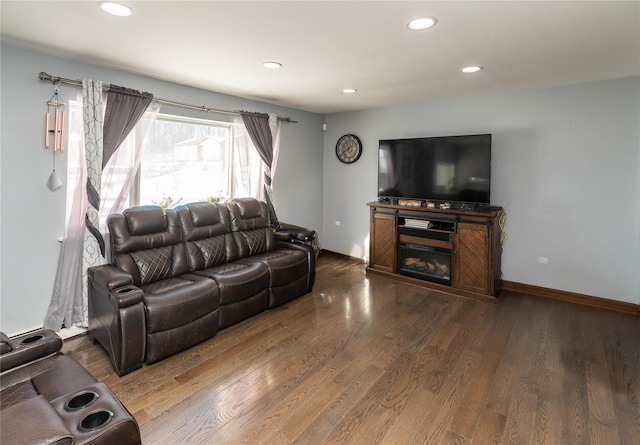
column 32, row 339
column 95, row 420
column 80, row 401
column 125, row 290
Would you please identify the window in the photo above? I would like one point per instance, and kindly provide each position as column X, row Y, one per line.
column 187, row 160
column 183, row 160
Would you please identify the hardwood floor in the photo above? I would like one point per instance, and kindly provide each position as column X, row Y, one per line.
column 367, row 360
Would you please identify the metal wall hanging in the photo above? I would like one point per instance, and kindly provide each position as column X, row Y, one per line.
column 54, row 133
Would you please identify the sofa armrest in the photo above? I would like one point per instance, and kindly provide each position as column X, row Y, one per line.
column 289, row 232
column 311, row 258
column 110, row 277
column 27, row 348
column 117, row 316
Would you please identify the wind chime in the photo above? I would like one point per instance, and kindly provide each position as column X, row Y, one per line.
column 55, row 127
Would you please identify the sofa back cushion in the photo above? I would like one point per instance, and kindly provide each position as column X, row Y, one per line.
column 145, row 242
column 250, row 227
column 206, row 230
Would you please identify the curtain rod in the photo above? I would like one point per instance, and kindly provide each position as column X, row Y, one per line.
column 57, row 79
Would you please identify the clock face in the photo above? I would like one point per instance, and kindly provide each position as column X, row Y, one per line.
column 349, row 148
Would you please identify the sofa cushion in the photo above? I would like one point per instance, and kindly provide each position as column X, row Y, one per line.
column 144, row 227
column 51, row 378
column 211, row 251
column 179, row 312
column 147, row 256
column 238, row 281
column 16, row 393
column 144, row 220
column 205, row 228
column 153, row 264
column 46, row 426
column 254, row 242
column 284, row 265
column 248, row 214
column 203, row 220
column 178, row 301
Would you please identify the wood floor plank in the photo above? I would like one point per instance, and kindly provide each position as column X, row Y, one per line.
column 378, row 408
column 490, row 428
column 622, row 355
column 438, row 420
column 602, row 415
column 364, row 359
column 576, row 404
column 404, row 427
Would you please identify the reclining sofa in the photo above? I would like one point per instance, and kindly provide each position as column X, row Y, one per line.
column 177, row 276
column 49, row 398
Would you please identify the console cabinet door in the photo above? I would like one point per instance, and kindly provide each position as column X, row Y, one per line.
column 472, row 257
column 383, row 241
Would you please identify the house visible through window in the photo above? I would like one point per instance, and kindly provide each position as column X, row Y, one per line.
column 187, row 160
column 183, row 160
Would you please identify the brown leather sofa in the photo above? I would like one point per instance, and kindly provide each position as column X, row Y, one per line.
column 177, row 276
column 49, row 398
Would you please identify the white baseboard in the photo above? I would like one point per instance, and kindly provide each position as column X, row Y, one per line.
column 73, row 331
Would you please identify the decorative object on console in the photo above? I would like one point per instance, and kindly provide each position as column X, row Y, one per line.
column 410, row 202
column 502, row 223
column 349, row 148
column 54, row 125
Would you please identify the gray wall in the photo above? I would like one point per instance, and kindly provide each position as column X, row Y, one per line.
column 565, row 163
column 32, row 216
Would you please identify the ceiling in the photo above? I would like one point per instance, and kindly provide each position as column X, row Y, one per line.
column 326, row 46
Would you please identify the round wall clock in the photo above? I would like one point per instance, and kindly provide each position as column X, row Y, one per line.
column 349, row 148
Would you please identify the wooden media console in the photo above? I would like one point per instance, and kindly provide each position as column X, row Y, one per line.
column 455, row 250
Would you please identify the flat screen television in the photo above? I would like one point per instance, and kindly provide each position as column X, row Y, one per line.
column 453, row 169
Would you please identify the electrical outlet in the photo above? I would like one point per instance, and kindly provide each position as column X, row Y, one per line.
column 337, row 223
column 543, row 260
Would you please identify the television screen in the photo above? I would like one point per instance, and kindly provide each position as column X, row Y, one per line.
column 450, row 168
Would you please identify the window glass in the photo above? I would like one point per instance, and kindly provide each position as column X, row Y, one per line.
column 185, row 160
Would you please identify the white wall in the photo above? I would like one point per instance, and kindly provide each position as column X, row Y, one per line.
column 565, row 161
column 32, row 216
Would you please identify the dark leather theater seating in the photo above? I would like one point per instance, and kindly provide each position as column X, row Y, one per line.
column 177, row 276
column 49, row 398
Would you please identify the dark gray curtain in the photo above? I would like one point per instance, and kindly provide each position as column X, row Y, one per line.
column 257, row 125
column 124, row 109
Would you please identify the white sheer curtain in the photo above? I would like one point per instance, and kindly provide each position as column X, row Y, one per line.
column 274, row 126
column 119, row 174
column 68, row 302
column 80, row 250
column 247, row 167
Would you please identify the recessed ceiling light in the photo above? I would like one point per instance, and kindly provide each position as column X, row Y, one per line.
column 349, row 90
column 272, row 65
column 114, row 8
column 422, row 23
column 471, row 69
